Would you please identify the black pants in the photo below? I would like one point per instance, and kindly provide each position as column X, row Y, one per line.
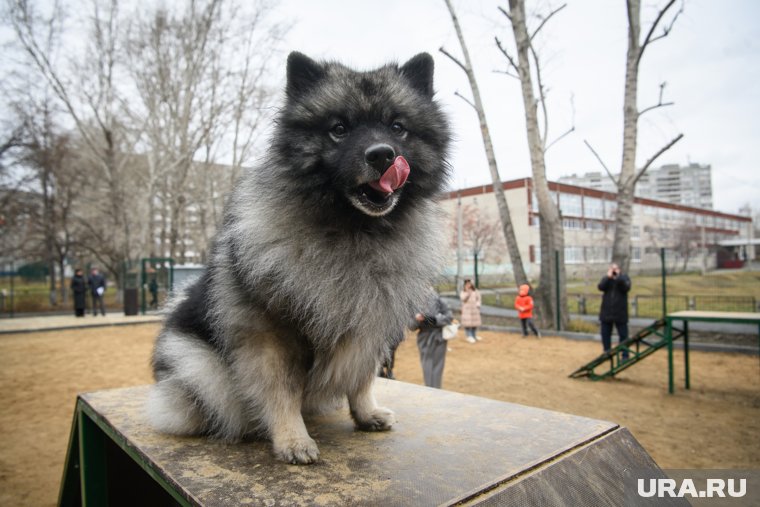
column 622, row 329
column 97, row 301
column 526, row 323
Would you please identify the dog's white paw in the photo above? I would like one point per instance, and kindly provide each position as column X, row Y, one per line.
column 379, row 419
column 297, row 451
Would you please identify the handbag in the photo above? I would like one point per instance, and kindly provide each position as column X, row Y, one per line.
column 450, row 330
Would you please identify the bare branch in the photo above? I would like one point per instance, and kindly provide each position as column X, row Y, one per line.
column 547, row 18
column 654, row 157
column 506, row 72
column 666, row 30
column 660, row 103
column 541, row 95
column 508, row 15
column 453, row 58
column 469, row 102
column 616, row 182
column 567, row 133
column 506, row 54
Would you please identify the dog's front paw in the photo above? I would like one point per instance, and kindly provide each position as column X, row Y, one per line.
column 297, row 451
column 379, row 419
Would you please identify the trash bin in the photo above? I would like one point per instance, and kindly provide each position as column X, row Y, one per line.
column 130, row 301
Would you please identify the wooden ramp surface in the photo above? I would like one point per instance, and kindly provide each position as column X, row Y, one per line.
column 445, row 448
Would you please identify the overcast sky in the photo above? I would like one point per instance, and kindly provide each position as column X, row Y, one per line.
column 710, row 61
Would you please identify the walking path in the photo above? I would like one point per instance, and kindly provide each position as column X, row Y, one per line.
column 57, row 322
column 635, row 324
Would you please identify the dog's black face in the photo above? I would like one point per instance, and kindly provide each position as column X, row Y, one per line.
column 372, row 143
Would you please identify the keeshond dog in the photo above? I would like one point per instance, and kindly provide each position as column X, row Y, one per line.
column 326, row 251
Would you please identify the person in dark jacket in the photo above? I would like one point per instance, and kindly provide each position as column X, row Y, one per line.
column 430, row 340
column 97, row 285
column 79, row 288
column 614, row 311
column 153, row 288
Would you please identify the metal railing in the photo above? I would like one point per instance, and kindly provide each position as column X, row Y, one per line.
column 651, row 306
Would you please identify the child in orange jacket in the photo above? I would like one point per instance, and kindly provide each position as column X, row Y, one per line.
column 524, row 306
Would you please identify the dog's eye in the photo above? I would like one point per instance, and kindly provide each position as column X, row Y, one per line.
column 339, row 130
column 397, row 128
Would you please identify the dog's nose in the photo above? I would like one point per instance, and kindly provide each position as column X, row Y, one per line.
column 380, row 156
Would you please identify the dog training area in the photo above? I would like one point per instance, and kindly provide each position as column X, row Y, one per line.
column 713, row 425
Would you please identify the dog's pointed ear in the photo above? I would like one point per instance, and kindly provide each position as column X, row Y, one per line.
column 303, row 73
column 419, row 72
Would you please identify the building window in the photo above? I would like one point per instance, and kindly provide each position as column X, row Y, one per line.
column 598, row 253
column 594, row 225
column 610, row 209
column 574, row 255
column 593, row 207
column 570, row 204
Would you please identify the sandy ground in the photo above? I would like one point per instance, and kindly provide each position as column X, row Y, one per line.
column 714, row 425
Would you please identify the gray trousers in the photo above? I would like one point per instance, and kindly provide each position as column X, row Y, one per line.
column 432, row 356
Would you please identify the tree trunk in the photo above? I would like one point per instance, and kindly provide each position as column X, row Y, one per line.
column 552, row 234
column 64, row 287
column 498, row 187
column 621, row 246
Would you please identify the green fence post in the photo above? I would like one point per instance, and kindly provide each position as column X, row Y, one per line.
column 13, row 288
column 143, row 281
column 664, row 287
column 558, row 317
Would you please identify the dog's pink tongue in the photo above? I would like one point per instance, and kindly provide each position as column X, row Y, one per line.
column 393, row 178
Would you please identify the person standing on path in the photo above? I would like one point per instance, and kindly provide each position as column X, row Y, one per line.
column 97, row 284
column 615, row 286
column 430, row 340
column 471, row 319
column 79, row 288
column 524, row 306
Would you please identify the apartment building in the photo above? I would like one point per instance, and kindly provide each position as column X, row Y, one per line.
column 689, row 185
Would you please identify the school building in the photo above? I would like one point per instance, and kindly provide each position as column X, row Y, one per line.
column 695, row 238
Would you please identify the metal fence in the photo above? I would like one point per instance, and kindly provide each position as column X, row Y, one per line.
column 651, row 306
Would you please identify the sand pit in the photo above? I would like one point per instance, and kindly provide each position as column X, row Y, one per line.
column 714, row 425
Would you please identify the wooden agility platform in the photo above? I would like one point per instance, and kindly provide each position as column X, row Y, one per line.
column 446, row 448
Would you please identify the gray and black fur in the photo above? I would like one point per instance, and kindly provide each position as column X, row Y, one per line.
column 312, row 274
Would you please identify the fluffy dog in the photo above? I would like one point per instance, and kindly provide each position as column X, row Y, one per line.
column 326, row 250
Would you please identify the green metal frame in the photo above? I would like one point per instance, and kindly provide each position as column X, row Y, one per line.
column 641, row 345
column 85, row 476
column 144, row 277
column 685, row 318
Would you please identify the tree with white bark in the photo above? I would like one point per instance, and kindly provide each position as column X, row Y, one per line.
column 659, row 29
column 527, row 69
column 498, row 189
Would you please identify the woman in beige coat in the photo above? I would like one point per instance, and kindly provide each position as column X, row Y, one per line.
column 470, row 298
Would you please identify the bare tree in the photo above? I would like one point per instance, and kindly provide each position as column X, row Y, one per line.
column 534, row 96
column 195, row 95
column 629, row 175
column 87, row 91
column 498, row 188
column 687, row 241
column 479, row 234
column 46, row 152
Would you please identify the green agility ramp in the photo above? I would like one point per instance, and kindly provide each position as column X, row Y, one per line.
column 641, row 345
